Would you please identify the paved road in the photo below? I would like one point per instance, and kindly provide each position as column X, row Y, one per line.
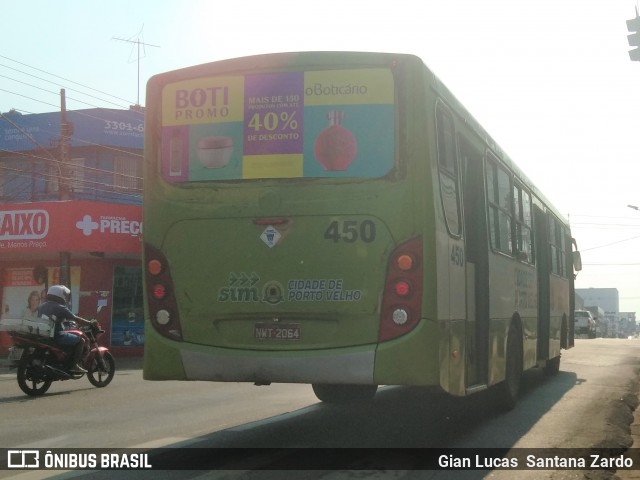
column 589, row 403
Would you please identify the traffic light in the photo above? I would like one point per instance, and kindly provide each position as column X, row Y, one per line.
column 633, row 26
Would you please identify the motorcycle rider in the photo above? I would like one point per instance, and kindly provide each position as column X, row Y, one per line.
column 56, row 309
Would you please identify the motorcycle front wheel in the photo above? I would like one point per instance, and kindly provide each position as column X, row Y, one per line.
column 32, row 378
column 100, row 373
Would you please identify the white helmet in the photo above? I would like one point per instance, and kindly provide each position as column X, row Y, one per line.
column 60, row 291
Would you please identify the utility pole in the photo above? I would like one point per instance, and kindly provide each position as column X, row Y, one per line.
column 64, row 181
column 64, row 186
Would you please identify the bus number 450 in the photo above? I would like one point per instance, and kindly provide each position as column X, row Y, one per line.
column 457, row 256
column 351, row 231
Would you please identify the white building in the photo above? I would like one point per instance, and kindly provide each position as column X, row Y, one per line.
column 606, row 298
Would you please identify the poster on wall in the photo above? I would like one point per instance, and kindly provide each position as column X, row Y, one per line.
column 127, row 321
column 22, row 295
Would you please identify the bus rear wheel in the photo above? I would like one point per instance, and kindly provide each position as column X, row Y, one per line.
column 509, row 389
column 333, row 393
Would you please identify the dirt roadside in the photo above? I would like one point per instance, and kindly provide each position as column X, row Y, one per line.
column 625, row 417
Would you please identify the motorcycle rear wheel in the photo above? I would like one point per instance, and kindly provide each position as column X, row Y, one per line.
column 31, row 379
column 101, row 376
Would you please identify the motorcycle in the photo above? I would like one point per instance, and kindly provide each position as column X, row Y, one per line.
column 40, row 362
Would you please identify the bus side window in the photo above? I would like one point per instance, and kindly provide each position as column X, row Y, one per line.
column 523, row 222
column 500, row 206
column 448, row 168
column 557, row 236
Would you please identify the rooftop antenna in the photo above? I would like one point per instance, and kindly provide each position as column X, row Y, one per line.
column 138, row 42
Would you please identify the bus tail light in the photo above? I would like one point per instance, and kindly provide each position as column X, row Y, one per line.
column 161, row 300
column 402, row 299
column 405, row 262
column 402, row 288
column 159, row 292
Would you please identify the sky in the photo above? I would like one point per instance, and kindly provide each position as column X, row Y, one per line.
column 550, row 80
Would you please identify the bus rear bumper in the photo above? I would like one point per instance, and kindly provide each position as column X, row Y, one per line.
column 326, row 366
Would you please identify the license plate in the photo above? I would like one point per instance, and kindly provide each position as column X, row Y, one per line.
column 272, row 331
column 15, row 354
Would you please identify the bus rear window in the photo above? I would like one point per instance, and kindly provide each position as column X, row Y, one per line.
column 332, row 123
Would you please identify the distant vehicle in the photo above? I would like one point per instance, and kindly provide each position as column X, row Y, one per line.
column 584, row 324
column 602, row 324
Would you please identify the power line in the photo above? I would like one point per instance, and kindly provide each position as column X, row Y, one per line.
column 31, row 139
column 73, row 165
column 55, row 93
column 111, row 188
column 29, row 98
column 610, row 244
column 76, row 180
column 87, row 142
column 118, row 105
column 600, row 216
column 67, row 164
column 612, row 264
column 65, row 79
column 59, row 163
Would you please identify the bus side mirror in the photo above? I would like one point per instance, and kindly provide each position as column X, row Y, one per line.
column 577, row 261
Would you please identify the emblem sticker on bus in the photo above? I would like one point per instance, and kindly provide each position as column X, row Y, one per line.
column 270, row 236
column 245, row 288
column 241, row 288
column 321, row 290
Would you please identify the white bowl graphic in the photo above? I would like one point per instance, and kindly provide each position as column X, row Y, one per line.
column 215, row 152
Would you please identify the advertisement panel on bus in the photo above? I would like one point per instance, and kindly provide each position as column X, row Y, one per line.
column 285, row 125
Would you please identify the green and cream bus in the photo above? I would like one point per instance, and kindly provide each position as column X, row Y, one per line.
column 340, row 219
